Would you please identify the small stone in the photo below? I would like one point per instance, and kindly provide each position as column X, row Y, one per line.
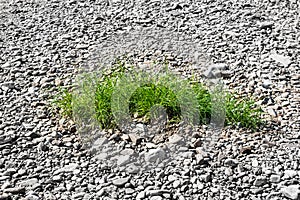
column 132, row 169
column 231, row 162
column 70, row 167
column 267, row 84
column 129, row 191
column 291, row 192
column 228, row 171
column 260, row 181
column 176, row 184
column 57, row 178
column 28, row 182
column 246, row 150
column 120, row 181
column 214, row 190
column 6, row 65
column 100, row 141
column 205, row 177
column 272, row 112
column 141, row 195
column 101, row 156
column 150, row 145
column 82, row 46
column 9, row 85
column 127, row 151
column 266, row 24
column 135, row 139
column 156, row 198
column 255, row 163
column 175, row 139
column 274, row 178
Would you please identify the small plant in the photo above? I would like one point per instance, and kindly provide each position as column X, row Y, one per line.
column 241, row 112
column 63, row 101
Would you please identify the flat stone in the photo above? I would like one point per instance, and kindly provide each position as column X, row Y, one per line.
column 15, row 190
column 285, row 60
column 132, row 169
column 100, row 141
column 82, row 46
column 156, row 198
column 57, row 178
column 141, row 195
column 274, row 178
column 135, row 139
column 291, row 192
column 214, row 190
column 176, row 184
column 265, row 24
column 28, row 182
column 255, row 163
column 70, row 167
column 155, row 154
column 156, row 192
column 120, row 181
column 175, row 139
column 9, row 84
column 123, row 160
column 205, row 177
column 231, row 162
column 127, row 151
column 260, row 181
column 290, row 173
column 101, row 156
column 129, row 191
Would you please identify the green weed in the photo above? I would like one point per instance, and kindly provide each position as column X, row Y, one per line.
column 239, row 112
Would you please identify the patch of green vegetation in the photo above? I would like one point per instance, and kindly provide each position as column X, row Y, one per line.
column 239, row 112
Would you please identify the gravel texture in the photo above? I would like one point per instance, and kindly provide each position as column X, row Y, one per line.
column 44, row 43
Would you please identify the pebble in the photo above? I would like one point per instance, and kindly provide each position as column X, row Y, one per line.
column 120, row 181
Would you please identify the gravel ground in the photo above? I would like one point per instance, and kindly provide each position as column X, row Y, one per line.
column 43, row 44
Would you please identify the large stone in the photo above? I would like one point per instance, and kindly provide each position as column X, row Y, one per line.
column 123, row 160
column 155, row 154
column 291, row 192
column 285, row 60
column 175, row 139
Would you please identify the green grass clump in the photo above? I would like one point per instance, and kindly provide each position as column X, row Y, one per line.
column 239, row 112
